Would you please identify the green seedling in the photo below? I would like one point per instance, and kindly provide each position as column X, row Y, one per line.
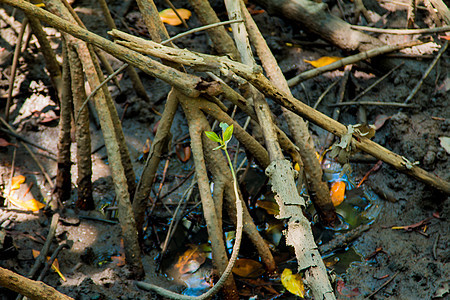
column 227, row 134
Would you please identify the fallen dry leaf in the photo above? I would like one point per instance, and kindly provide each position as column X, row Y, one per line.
column 31, row 204
column 5, row 143
column 55, row 264
column 293, row 282
column 16, row 181
column 168, row 16
column 323, row 61
column 337, row 192
column 248, row 268
column 190, row 260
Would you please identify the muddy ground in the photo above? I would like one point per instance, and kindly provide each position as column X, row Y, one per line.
column 417, row 259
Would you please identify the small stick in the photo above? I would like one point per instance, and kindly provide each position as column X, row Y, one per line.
column 383, row 285
column 376, row 103
column 176, row 218
column 49, row 262
column 427, row 72
column 337, row 111
column 376, row 82
column 14, row 67
column 21, row 138
column 324, row 94
column 206, row 27
column 166, row 166
column 177, row 186
column 403, row 31
column 436, row 241
column 350, row 60
column 12, row 173
column 176, row 12
column 98, row 219
column 47, row 177
column 123, row 67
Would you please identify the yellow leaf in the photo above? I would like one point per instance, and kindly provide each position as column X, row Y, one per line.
column 16, row 181
column 248, row 268
column 293, row 282
column 55, row 264
column 323, row 61
column 168, row 16
column 31, row 204
column 337, row 192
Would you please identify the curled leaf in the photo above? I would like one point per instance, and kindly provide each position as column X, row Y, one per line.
column 228, row 134
column 168, row 16
column 337, row 192
column 380, row 120
column 183, row 153
column 323, row 61
column 293, row 282
column 16, row 181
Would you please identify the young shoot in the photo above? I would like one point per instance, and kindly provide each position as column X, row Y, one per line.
column 227, row 134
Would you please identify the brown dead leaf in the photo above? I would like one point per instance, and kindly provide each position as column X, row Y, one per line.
column 248, row 268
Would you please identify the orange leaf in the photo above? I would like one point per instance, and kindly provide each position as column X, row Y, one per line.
column 337, row 192
column 248, row 268
column 293, row 282
column 190, row 261
column 147, row 146
column 16, row 181
column 323, row 61
column 119, row 260
column 31, row 204
column 168, row 16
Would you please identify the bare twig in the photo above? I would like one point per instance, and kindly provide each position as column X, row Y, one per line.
column 92, row 94
column 206, row 27
column 376, row 82
column 427, row 72
column 403, row 31
column 327, row 90
column 176, row 12
column 349, row 60
column 21, row 138
column 382, row 286
column 12, row 76
column 374, row 103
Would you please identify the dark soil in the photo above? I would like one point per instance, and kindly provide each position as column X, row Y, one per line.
column 417, row 258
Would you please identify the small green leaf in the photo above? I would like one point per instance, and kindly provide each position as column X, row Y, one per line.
column 224, row 126
column 227, row 135
column 213, row 136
